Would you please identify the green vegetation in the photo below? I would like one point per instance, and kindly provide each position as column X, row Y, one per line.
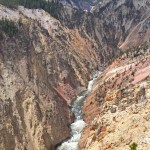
column 52, row 7
column 8, row 27
column 133, row 146
column 1, row 36
column 9, row 3
column 136, row 51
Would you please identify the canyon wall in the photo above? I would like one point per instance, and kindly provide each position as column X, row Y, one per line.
column 117, row 110
column 41, row 55
column 111, row 25
column 45, row 62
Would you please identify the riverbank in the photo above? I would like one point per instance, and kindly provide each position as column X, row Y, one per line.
column 78, row 125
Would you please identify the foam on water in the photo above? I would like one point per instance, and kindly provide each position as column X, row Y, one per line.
column 78, row 125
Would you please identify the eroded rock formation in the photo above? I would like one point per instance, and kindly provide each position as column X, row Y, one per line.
column 41, row 55
column 49, row 61
column 117, row 110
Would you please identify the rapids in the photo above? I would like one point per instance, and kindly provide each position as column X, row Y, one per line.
column 78, row 125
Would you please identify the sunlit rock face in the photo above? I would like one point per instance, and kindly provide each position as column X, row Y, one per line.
column 50, row 60
column 112, row 25
column 40, row 57
column 119, row 104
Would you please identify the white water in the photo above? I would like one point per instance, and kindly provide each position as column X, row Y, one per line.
column 78, row 125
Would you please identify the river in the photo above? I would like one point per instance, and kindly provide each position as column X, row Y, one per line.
column 78, row 125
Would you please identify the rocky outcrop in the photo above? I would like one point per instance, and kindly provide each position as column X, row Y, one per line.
column 117, row 110
column 38, row 57
column 46, row 61
column 111, row 25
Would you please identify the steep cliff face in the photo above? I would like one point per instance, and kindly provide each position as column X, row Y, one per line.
column 123, row 88
column 45, row 63
column 39, row 57
column 117, row 110
column 120, row 18
column 112, row 25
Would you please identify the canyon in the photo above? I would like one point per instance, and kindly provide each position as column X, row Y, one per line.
column 47, row 57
